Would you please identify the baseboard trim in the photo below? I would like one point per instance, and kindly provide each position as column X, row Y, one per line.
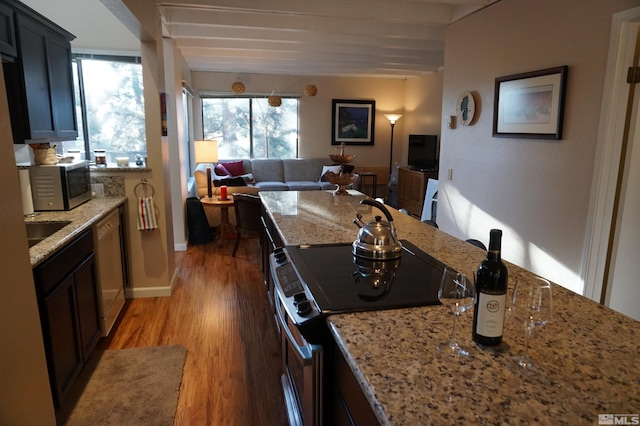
column 174, row 279
column 180, row 247
column 140, row 292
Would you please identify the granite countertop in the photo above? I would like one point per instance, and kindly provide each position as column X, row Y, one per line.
column 314, row 217
column 587, row 356
column 82, row 217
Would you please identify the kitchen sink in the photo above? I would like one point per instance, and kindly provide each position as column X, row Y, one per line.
column 38, row 231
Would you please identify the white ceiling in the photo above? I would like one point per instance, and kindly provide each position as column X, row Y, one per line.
column 390, row 38
column 94, row 26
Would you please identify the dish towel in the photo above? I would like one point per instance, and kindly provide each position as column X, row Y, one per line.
column 146, row 214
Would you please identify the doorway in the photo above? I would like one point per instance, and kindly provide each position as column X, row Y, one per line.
column 611, row 267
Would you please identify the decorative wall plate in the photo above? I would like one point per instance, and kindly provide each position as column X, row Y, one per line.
column 465, row 108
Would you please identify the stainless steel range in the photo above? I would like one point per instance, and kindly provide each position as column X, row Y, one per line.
column 314, row 281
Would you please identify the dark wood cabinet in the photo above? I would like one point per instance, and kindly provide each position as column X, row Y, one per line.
column 349, row 405
column 68, row 303
column 87, row 305
column 412, row 185
column 40, row 79
column 62, row 94
column 8, row 47
column 39, row 122
column 59, row 325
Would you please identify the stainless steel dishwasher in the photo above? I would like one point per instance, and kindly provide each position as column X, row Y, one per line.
column 110, row 280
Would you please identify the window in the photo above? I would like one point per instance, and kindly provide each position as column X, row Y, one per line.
column 109, row 107
column 250, row 128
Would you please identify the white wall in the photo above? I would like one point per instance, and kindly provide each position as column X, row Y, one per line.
column 422, row 107
column 537, row 191
column 315, row 112
column 176, row 71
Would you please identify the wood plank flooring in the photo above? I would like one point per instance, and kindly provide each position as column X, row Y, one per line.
column 220, row 313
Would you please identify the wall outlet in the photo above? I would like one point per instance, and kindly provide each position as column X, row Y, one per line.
column 450, row 174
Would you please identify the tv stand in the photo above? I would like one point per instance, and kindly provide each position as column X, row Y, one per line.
column 424, row 169
column 412, row 185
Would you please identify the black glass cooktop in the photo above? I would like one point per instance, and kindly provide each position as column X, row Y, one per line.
column 341, row 282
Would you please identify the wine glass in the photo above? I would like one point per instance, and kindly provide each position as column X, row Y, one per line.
column 458, row 293
column 531, row 305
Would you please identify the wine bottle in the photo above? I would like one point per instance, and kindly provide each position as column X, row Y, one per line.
column 491, row 288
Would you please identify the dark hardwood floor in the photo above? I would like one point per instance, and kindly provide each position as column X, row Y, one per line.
column 220, row 313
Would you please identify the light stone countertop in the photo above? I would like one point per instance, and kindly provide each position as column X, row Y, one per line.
column 588, row 356
column 82, row 218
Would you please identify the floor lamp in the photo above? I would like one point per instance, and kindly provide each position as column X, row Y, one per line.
column 207, row 152
column 392, row 119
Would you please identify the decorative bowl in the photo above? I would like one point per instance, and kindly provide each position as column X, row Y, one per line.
column 342, row 159
column 340, row 179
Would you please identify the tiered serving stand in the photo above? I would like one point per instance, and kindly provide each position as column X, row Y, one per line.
column 341, row 179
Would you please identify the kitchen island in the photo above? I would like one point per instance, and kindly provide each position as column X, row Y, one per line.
column 587, row 356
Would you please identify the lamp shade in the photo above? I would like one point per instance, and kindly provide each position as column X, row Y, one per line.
column 206, row 151
column 393, row 117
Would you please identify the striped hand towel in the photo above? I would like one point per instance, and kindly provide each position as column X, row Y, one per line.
column 146, row 214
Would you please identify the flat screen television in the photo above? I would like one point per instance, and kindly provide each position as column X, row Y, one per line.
column 423, row 152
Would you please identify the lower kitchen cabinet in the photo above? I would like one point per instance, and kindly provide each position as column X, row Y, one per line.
column 87, row 297
column 349, row 406
column 68, row 304
column 64, row 357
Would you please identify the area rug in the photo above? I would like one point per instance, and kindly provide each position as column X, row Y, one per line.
column 138, row 386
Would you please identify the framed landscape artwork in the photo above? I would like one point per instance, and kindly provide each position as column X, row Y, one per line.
column 352, row 122
column 530, row 105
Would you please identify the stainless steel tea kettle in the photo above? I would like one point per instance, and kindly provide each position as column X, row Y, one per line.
column 376, row 240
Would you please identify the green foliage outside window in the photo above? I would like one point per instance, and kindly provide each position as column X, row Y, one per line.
column 110, row 107
column 250, row 128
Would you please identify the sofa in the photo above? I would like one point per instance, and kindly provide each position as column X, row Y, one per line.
column 293, row 174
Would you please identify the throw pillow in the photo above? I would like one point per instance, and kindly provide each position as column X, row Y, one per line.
column 221, row 170
column 235, row 168
column 334, row 169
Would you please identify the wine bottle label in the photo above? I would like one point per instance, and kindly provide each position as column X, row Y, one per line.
column 490, row 314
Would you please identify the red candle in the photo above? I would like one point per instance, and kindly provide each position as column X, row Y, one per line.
column 223, row 192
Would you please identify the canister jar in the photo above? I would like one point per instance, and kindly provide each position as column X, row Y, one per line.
column 101, row 157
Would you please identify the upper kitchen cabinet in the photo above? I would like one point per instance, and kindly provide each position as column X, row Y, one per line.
column 39, row 81
column 7, row 32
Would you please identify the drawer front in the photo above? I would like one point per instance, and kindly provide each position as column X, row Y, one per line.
column 54, row 269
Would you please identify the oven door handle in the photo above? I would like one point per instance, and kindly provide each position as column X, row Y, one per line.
column 305, row 353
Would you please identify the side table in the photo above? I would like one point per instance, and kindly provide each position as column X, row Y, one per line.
column 374, row 181
column 225, row 227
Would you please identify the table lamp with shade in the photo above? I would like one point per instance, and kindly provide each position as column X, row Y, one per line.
column 207, row 152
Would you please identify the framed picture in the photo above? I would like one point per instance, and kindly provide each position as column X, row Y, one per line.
column 530, row 105
column 352, row 122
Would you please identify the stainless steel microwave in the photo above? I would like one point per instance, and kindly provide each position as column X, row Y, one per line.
column 60, row 186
